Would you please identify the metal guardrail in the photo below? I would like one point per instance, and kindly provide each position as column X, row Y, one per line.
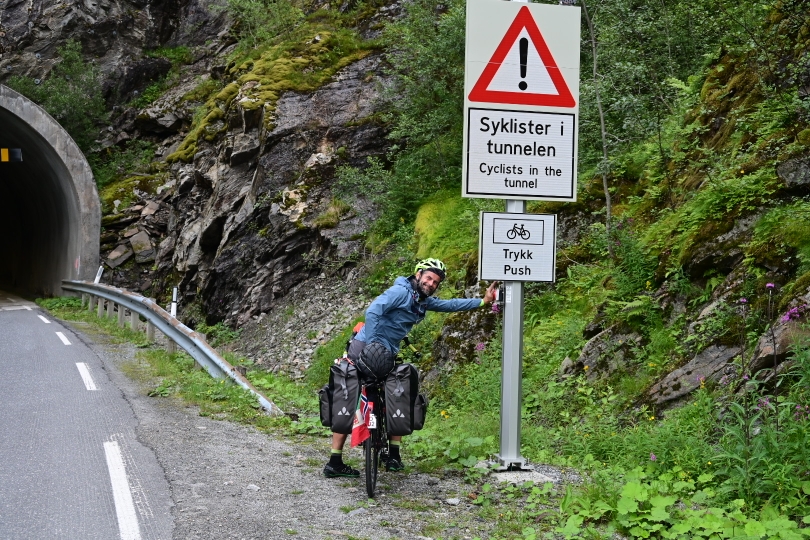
column 190, row 341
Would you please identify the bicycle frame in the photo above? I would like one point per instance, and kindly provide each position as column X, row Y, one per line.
column 377, row 442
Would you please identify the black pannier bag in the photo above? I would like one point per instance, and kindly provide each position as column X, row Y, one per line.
column 338, row 399
column 405, row 407
column 325, row 402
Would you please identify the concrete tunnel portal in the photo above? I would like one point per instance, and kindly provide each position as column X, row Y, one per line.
column 50, row 215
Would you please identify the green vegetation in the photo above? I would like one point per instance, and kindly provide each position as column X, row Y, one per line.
column 70, row 309
column 71, row 94
column 116, row 163
column 177, row 56
column 261, row 21
column 218, row 334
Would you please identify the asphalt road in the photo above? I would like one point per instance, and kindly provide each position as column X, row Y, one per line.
column 71, row 465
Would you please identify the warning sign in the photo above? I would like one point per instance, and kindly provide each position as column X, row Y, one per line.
column 507, row 78
column 521, row 101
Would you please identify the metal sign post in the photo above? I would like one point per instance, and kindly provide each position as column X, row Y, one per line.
column 512, row 368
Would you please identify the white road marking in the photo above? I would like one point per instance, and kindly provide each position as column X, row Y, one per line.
column 85, row 373
column 46, row 321
column 63, row 338
column 124, row 507
column 15, row 308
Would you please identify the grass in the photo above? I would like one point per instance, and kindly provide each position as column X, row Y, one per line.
column 70, row 309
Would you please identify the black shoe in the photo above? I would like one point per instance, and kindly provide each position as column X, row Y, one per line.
column 331, row 471
column 392, row 464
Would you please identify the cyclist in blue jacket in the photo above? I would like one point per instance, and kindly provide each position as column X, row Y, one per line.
column 389, row 318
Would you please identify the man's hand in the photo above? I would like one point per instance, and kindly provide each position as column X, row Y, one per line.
column 492, row 292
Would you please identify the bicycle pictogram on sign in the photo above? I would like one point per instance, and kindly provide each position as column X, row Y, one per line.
column 513, row 233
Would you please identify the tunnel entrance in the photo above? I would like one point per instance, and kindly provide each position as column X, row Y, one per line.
column 50, row 216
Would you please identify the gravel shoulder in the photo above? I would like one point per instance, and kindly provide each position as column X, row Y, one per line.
column 230, row 481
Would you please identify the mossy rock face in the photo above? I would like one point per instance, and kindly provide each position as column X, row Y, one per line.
column 804, row 137
column 124, row 190
column 304, row 63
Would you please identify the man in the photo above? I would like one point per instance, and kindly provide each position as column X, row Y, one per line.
column 389, row 318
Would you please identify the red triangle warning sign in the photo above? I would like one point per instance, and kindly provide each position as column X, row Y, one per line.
column 519, row 74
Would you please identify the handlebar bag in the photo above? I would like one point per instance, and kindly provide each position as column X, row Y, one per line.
column 345, row 390
column 401, row 391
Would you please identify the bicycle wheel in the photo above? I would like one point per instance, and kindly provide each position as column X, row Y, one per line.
column 372, row 451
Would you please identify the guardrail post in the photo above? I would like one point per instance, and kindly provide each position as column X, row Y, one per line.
column 90, row 303
column 133, row 320
column 84, row 297
column 150, row 331
column 120, row 316
column 171, row 346
column 110, row 309
column 100, row 311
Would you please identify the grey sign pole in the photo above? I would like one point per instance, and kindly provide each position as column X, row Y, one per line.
column 512, row 366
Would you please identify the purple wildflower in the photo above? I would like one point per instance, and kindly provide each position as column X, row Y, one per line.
column 763, row 403
column 496, row 308
column 653, row 457
column 794, row 313
column 480, row 346
column 743, row 300
column 769, row 285
column 746, row 377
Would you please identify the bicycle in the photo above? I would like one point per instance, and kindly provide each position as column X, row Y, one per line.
column 512, row 233
column 377, row 442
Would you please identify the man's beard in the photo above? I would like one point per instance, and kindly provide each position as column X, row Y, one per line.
column 422, row 291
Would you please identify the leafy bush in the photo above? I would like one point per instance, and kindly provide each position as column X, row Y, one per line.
column 71, row 93
column 261, row 21
column 115, row 163
column 218, row 334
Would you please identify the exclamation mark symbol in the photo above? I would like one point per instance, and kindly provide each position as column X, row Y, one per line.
column 524, row 54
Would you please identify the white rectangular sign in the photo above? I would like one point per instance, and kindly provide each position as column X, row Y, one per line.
column 517, row 247
column 521, row 101
column 526, row 154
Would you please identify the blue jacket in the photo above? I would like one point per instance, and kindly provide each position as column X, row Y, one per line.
column 391, row 315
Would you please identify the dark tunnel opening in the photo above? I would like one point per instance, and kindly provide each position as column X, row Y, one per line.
column 49, row 209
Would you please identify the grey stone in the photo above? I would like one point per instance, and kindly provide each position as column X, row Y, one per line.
column 566, row 367
column 245, row 148
column 357, row 512
column 710, row 364
column 453, row 502
column 606, row 352
column 150, row 209
column 795, row 172
column 119, row 256
column 142, row 246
